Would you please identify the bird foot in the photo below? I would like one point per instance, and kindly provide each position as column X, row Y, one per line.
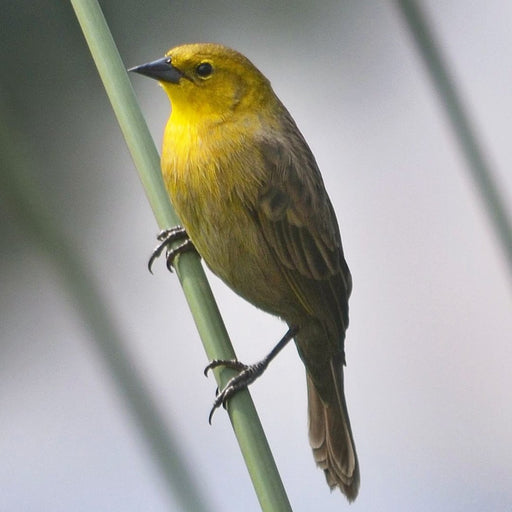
column 248, row 373
column 166, row 238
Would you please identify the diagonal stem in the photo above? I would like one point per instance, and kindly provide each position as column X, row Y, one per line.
column 478, row 165
column 246, row 425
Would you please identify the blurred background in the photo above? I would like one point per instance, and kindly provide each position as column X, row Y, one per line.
column 429, row 346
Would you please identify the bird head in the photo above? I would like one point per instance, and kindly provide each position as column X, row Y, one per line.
column 206, row 81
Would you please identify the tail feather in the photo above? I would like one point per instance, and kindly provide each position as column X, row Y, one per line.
column 330, row 435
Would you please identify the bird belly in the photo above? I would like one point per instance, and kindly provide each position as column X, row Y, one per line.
column 212, row 187
column 228, row 239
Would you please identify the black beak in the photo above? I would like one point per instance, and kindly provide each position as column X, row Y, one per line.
column 160, row 69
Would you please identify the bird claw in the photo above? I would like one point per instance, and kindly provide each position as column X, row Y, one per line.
column 221, row 398
column 246, row 376
column 247, row 373
column 171, row 254
column 166, row 237
column 233, row 364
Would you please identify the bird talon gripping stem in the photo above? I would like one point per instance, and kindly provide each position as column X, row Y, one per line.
column 166, row 237
column 247, row 373
column 234, row 364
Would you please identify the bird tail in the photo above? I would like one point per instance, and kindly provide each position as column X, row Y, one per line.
column 330, row 434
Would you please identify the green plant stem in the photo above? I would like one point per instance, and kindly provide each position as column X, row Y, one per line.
column 478, row 165
column 245, row 421
column 34, row 215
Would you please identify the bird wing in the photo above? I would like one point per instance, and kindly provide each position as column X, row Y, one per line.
column 299, row 225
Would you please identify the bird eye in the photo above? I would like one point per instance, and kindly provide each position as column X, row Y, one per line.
column 204, row 69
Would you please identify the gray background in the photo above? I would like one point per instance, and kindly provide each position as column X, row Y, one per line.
column 429, row 346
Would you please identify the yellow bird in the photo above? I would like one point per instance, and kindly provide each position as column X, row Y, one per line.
column 253, row 203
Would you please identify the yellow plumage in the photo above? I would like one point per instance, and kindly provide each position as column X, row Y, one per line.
column 249, row 193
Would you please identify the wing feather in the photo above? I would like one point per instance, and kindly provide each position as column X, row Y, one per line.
column 300, row 228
